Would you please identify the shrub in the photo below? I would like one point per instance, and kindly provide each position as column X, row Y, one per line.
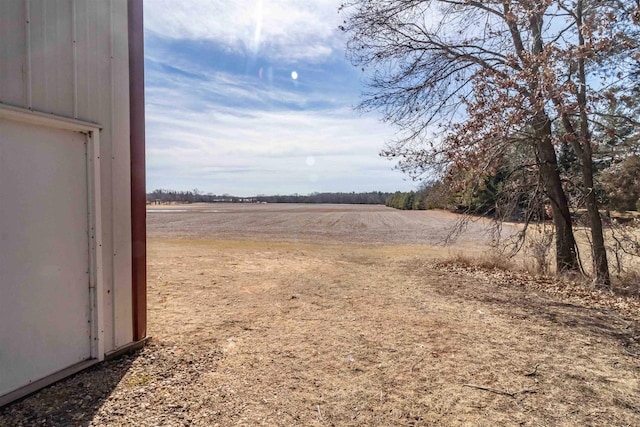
column 621, row 184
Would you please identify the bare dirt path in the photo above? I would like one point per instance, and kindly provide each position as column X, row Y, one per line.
column 278, row 332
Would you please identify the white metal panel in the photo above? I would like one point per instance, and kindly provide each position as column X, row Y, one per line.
column 51, row 53
column 13, row 53
column 44, row 252
column 122, row 275
column 93, row 60
column 95, row 224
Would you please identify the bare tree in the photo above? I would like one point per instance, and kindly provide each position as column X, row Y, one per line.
column 466, row 81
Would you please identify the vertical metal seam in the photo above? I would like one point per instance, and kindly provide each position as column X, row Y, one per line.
column 44, row 48
column 74, row 37
column 112, row 195
column 27, row 29
column 91, row 238
column 85, row 55
column 58, row 43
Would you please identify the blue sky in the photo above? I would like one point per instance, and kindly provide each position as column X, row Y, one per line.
column 254, row 97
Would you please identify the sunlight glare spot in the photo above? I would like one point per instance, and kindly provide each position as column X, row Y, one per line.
column 294, row 75
column 258, row 30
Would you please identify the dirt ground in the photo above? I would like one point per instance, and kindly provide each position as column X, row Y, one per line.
column 339, row 316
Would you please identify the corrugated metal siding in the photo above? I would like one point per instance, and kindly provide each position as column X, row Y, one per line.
column 51, row 56
column 70, row 58
column 13, row 53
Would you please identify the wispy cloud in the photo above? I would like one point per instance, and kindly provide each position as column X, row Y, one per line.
column 214, row 88
column 289, row 30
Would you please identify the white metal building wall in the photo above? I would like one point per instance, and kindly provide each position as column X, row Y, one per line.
column 70, row 58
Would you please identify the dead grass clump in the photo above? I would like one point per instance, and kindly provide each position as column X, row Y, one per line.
column 627, row 283
column 538, row 251
column 624, row 284
column 623, row 295
column 493, row 261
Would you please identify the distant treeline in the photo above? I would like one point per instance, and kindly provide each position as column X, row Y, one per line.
column 406, row 201
column 492, row 195
column 172, row 196
column 481, row 200
column 370, row 198
column 195, row 196
column 432, row 195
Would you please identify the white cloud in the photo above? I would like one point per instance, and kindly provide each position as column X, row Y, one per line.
column 289, row 30
column 257, row 151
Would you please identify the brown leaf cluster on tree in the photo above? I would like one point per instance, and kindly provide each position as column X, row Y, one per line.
column 484, row 85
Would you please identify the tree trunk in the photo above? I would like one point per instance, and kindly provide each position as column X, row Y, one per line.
column 566, row 257
column 598, row 249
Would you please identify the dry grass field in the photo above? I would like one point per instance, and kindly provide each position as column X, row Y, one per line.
column 346, row 316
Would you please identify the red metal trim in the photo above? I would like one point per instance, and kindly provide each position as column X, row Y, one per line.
column 138, row 185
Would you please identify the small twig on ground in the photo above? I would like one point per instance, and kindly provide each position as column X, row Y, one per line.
column 496, row 391
column 415, row 365
column 319, row 412
column 489, row 389
column 534, row 372
column 634, row 355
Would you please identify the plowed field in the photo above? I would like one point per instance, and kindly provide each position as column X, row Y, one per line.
column 311, row 223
